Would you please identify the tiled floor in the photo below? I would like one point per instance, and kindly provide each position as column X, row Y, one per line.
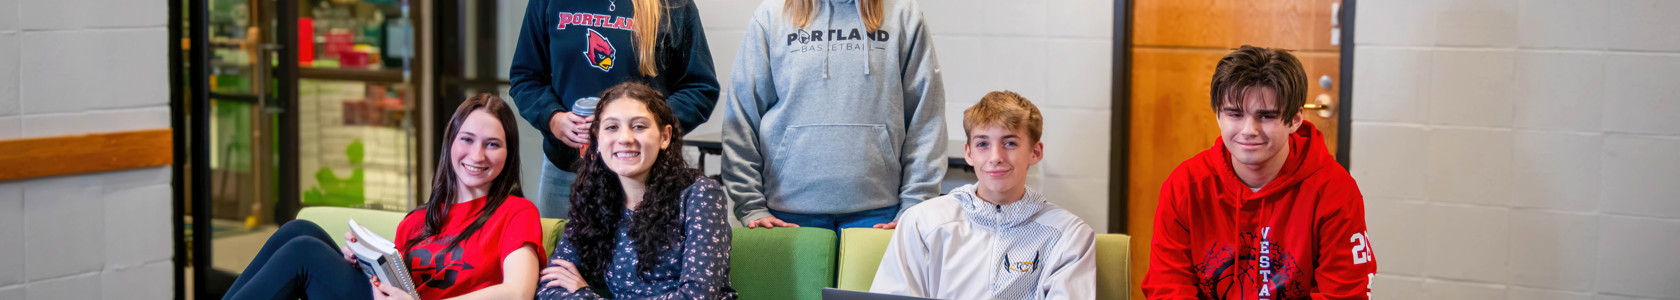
column 233, row 250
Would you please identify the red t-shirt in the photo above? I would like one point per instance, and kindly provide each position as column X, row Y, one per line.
column 477, row 263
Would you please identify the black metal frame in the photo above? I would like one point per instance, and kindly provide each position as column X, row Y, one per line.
column 199, row 143
column 286, row 15
column 1344, row 122
column 178, row 142
column 190, row 118
column 450, row 59
column 486, row 41
column 1120, row 122
column 1119, row 162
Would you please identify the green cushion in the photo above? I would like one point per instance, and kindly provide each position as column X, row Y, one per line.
column 781, row 263
column 335, row 220
column 552, row 230
column 860, row 254
column 1114, row 268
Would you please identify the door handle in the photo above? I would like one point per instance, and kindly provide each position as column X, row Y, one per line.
column 1321, row 105
column 264, row 71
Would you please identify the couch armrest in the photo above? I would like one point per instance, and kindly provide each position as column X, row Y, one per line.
column 782, row 263
column 1114, row 266
column 336, row 221
column 861, row 250
column 553, row 229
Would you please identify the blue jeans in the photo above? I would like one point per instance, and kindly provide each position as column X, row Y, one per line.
column 836, row 222
column 554, row 193
column 299, row 260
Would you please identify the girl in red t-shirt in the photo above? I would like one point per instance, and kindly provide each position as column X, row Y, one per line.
column 474, row 238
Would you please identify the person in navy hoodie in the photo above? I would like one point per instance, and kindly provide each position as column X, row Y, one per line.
column 573, row 50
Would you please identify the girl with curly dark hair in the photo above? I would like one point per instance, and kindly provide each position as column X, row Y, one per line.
column 643, row 224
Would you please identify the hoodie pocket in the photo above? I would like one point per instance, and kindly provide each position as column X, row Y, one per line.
column 842, row 159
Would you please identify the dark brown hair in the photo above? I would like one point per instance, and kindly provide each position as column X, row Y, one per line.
column 1252, row 66
column 1006, row 109
column 444, row 183
column 598, row 196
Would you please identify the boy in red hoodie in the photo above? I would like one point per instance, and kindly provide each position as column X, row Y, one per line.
column 1266, row 213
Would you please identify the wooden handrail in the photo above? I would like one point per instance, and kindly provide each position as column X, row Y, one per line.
column 87, row 153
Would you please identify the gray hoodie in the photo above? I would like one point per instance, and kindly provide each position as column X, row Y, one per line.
column 832, row 118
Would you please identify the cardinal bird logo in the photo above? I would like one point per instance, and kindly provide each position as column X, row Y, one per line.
column 600, row 52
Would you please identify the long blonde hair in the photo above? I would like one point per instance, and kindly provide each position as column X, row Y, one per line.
column 800, row 12
column 648, row 14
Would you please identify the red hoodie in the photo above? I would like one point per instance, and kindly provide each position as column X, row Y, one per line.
column 1301, row 236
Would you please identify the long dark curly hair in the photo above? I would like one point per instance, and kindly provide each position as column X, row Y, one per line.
column 598, row 197
column 444, row 183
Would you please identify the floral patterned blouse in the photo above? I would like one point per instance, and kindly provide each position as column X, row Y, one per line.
column 697, row 268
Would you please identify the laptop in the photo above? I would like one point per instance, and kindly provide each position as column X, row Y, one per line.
column 839, row 294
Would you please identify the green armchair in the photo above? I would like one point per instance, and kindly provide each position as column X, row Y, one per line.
column 782, row 263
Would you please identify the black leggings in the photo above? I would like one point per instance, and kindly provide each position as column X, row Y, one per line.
column 300, row 261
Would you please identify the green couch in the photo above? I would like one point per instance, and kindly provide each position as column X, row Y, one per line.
column 783, row 263
column 861, row 250
column 789, row 263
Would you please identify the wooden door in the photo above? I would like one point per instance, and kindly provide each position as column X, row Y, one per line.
column 1175, row 46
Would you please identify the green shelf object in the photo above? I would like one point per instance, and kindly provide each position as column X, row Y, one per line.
column 330, row 190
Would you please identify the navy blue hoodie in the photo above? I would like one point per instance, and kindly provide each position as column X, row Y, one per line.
column 570, row 50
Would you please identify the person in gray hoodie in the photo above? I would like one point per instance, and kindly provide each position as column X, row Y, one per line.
column 835, row 117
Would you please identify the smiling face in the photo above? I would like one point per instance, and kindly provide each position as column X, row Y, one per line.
column 478, row 153
column 1254, row 131
column 629, row 138
column 1001, row 158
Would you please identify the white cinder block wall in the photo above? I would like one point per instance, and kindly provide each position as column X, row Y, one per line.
column 74, row 67
column 1055, row 53
column 1520, row 149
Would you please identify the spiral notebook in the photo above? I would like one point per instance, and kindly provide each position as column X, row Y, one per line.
column 379, row 259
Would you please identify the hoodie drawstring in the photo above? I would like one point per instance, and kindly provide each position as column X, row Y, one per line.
column 866, row 34
column 828, row 44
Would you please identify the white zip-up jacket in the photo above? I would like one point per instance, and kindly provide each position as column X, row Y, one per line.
column 960, row 247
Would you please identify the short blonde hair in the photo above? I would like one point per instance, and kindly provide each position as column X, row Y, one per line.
column 1006, row 109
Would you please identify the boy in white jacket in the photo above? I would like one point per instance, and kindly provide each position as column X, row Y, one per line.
column 997, row 239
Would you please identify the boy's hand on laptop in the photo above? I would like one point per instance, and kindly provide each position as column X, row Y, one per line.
column 769, row 222
column 887, row 225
